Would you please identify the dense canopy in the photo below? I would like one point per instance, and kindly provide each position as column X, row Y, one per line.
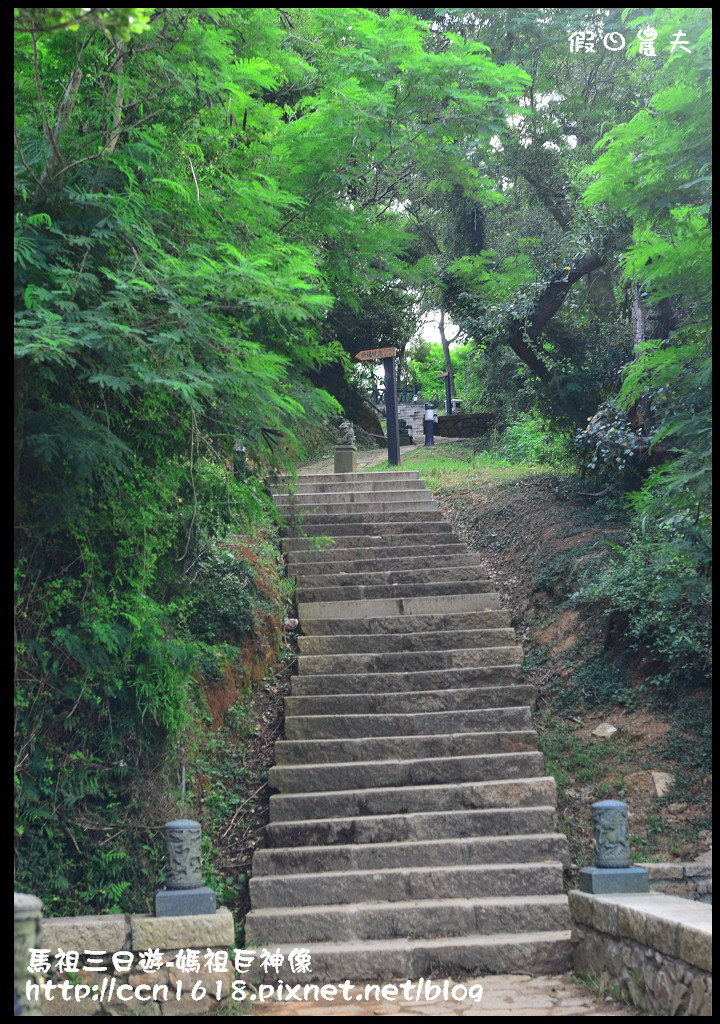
column 215, row 208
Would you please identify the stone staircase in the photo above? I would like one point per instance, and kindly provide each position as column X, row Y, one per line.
column 412, row 834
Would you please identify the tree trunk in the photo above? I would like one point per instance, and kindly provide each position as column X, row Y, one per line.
column 446, row 353
column 647, row 323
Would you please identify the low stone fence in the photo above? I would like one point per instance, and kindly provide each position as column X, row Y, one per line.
column 466, row 424
column 134, row 965
column 690, row 881
column 655, row 950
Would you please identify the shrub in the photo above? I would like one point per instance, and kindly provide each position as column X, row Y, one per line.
column 662, row 601
column 529, row 439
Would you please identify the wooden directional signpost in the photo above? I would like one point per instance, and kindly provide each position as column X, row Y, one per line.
column 391, row 409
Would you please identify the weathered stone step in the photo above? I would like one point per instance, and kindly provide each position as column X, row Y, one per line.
column 409, row 703
column 418, row 702
column 325, row 725
column 349, row 478
column 529, row 953
column 371, row 483
column 376, row 748
column 473, row 569
column 411, row 567
column 430, row 640
column 518, row 849
column 457, row 880
column 421, row 919
column 409, row 623
column 372, row 536
column 408, row 589
column 357, row 512
column 314, row 778
column 335, row 524
column 410, row 661
column 362, row 803
column 397, row 682
column 408, row 564
column 415, row 556
column 415, row 491
column 387, row 828
column 448, row 604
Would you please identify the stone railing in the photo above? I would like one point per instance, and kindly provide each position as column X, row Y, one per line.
column 651, row 949
column 131, row 965
column 174, row 963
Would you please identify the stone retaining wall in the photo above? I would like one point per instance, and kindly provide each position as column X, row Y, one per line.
column 655, row 950
column 466, row 424
column 690, row 881
column 98, row 938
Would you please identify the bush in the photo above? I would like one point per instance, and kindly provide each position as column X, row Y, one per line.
column 529, row 439
column 662, row 601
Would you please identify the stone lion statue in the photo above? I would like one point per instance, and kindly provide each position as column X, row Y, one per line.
column 347, row 433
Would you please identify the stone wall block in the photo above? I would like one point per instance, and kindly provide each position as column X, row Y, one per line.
column 581, row 907
column 632, row 924
column 698, row 870
column 696, row 947
column 662, row 935
column 213, row 930
column 662, row 871
column 605, row 917
column 109, row 932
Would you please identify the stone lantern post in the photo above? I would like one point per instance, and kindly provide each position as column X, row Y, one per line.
column 184, row 892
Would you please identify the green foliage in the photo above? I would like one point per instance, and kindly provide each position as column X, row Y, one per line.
column 195, row 190
column 530, row 440
column 427, row 362
column 120, row 22
column 213, row 209
column 597, row 682
column 655, row 168
column 654, row 588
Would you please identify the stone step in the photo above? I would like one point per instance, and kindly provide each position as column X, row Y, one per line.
column 314, row 778
column 413, row 831
column 448, row 604
column 473, row 569
column 387, row 828
column 421, row 919
column 376, row 748
column 397, row 682
column 418, row 702
column 368, row 484
column 528, row 953
column 361, row 803
column 359, row 512
column 379, row 558
column 424, row 511
column 426, row 525
column 429, row 640
column 350, row 478
column 409, row 661
column 325, row 725
column 415, row 491
column 518, row 849
column 392, row 884
column 305, row 595
column 409, row 623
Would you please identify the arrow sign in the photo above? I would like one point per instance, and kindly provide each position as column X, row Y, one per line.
column 376, row 353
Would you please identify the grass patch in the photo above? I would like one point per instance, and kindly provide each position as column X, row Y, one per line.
column 571, row 757
column 461, row 466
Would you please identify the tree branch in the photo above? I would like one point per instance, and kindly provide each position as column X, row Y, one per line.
column 526, row 330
